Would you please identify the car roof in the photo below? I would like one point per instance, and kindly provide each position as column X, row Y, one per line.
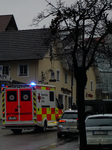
column 70, row 110
column 100, row 115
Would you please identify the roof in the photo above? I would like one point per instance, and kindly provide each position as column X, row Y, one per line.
column 24, row 44
column 7, row 22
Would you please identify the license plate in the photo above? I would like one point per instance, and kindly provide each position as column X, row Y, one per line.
column 100, row 132
column 70, row 130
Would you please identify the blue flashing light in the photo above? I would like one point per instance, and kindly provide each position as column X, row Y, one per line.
column 33, row 83
column 2, row 85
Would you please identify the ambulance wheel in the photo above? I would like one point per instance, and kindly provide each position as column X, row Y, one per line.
column 44, row 127
column 16, row 131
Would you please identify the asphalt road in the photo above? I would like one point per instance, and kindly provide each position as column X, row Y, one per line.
column 29, row 140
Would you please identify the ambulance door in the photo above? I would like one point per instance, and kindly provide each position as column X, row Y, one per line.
column 12, row 111
column 26, row 112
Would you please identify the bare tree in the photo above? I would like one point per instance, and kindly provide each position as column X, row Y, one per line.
column 85, row 24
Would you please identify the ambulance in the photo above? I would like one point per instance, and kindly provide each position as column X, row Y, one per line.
column 30, row 107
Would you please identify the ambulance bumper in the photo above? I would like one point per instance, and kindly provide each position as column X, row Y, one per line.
column 52, row 124
column 15, row 125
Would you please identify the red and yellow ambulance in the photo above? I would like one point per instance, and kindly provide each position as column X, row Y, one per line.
column 30, row 107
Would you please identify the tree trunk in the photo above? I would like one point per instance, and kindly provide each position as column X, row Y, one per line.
column 81, row 79
column 81, row 115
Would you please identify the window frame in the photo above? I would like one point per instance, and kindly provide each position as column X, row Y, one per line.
column 4, row 72
column 23, row 74
column 58, row 75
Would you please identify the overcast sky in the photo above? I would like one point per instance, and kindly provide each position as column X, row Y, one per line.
column 25, row 10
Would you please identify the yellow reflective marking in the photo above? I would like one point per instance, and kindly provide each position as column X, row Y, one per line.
column 48, row 110
column 43, row 88
column 44, row 116
column 39, row 111
column 35, row 121
column 52, row 116
column 52, row 89
column 3, row 122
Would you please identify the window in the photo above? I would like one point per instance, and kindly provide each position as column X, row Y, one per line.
column 6, row 70
column 26, row 95
column 65, row 78
column 11, row 96
column 91, row 85
column 70, row 115
column 58, row 75
column 52, row 75
column 51, row 96
column 23, row 70
column 99, row 121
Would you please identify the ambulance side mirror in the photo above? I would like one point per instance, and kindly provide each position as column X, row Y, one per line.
column 61, row 106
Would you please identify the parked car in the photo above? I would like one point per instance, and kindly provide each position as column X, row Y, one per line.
column 67, row 123
column 99, row 131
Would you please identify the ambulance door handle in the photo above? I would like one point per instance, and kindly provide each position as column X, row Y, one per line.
column 18, row 106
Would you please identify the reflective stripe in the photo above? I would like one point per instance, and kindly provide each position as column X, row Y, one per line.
column 53, row 117
column 34, row 106
column 52, row 89
column 56, row 111
column 3, row 108
column 44, row 116
column 49, row 113
column 48, row 110
column 43, row 88
column 39, row 111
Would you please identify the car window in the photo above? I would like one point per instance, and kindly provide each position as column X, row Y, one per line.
column 69, row 116
column 99, row 121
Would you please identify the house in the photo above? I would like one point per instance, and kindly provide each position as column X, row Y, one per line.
column 26, row 57
column 7, row 23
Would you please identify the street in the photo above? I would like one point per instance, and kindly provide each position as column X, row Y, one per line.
column 29, row 140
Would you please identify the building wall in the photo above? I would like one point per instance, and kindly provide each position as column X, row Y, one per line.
column 46, row 65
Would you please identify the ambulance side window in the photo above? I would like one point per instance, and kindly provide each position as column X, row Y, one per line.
column 51, row 93
column 11, row 96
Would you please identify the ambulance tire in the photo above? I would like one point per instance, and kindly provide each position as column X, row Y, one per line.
column 16, row 131
column 44, row 127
